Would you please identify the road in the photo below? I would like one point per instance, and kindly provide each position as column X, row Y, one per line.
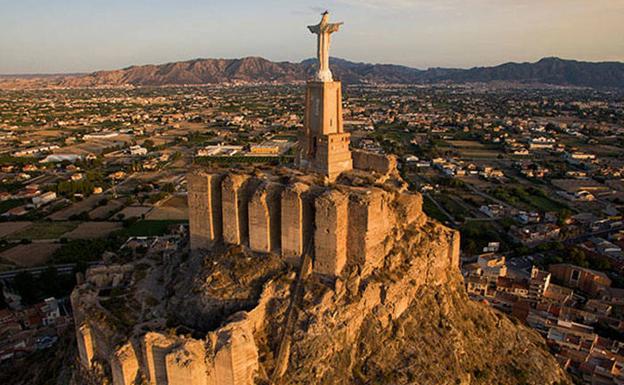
column 67, row 268
column 586, row 236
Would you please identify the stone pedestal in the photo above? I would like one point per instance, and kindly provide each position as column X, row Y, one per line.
column 324, row 144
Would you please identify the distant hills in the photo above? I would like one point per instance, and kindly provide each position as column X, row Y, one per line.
column 547, row 71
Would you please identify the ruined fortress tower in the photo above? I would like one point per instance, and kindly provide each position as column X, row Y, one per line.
column 328, row 272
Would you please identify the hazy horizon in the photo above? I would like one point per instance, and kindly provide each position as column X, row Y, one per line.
column 72, row 36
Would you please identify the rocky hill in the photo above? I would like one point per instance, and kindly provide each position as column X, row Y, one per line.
column 550, row 71
column 395, row 313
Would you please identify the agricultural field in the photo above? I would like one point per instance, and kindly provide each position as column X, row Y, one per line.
column 174, row 208
column 105, row 211
column 92, row 230
column 77, row 208
column 44, row 230
column 8, row 228
column 529, row 199
column 134, row 211
column 33, row 254
column 469, row 149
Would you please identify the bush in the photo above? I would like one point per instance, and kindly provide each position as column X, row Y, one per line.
column 86, row 250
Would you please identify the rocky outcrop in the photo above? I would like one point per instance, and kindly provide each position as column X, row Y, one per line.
column 308, row 283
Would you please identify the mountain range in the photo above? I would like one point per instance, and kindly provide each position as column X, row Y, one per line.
column 547, row 71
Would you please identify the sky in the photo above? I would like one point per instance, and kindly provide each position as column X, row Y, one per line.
column 64, row 36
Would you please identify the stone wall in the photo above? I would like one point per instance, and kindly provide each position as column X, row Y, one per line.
column 455, row 248
column 330, row 235
column 235, row 355
column 86, row 350
column 370, row 226
column 234, row 208
column 265, row 218
column 125, row 365
column 370, row 161
column 204, row 199
column 227, row 356
column 186, row 365
column 260, row 221
column 337, row 224
column 109, row 276
column 292, row 218
column 156, row 347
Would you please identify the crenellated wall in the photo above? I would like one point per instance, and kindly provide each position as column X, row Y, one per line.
column 339, row 224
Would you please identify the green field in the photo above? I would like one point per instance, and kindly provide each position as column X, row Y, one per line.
column 455, row 209
column 546, row 204
column 532, row 197
column 432, row 210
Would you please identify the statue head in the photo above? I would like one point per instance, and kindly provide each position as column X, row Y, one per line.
column 325, row 17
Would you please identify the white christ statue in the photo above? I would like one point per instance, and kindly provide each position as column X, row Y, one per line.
column 323, row 30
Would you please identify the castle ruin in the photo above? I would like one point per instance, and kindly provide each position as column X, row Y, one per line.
column 336, row 215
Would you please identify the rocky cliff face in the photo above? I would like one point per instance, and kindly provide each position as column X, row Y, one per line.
column 394, row 313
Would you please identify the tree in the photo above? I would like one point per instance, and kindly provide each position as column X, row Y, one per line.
column 168, row 188
column 49, row 281
column 3, row 303
column 26, row 287
column 149, row 144
column 578, row 257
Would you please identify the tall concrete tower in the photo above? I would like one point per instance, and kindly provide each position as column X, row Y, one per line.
column 324, row 146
